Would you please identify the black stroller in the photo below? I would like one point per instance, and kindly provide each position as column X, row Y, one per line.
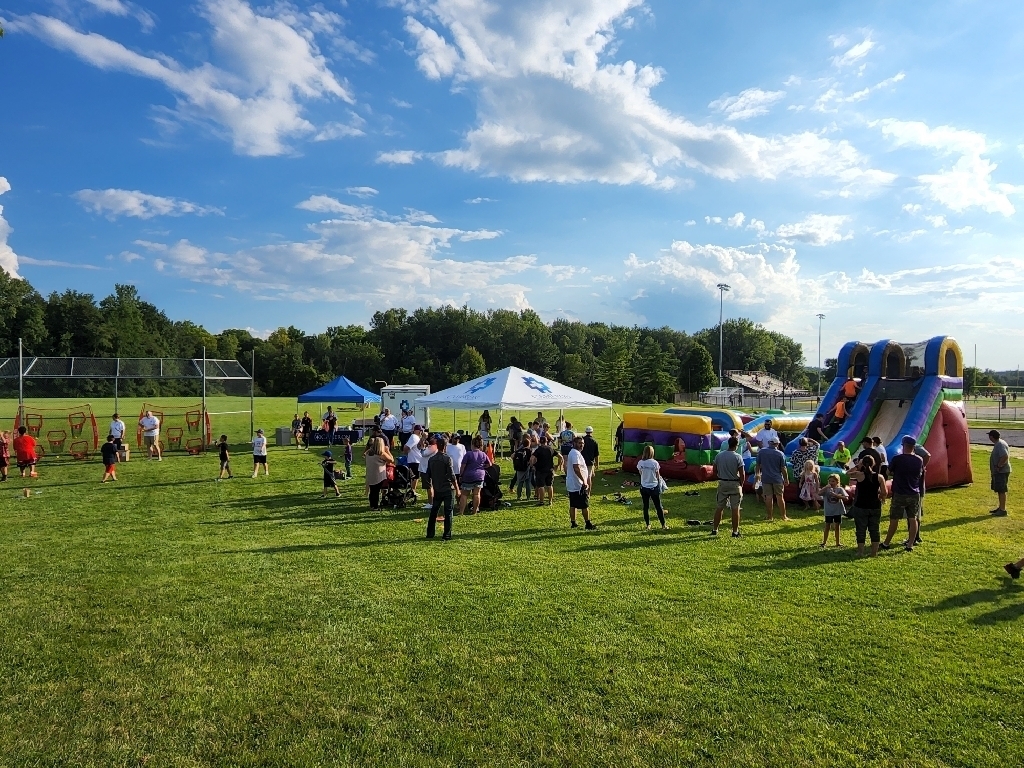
column 490, row 495
column 398, row 492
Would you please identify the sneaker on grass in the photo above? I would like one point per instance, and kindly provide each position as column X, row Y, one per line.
column 1013, row 570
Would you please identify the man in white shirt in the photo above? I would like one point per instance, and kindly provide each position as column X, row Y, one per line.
column 151, row 435
column 577, row 484
column 413, row 450
column 389, row 426
column 766, row 435
column 457, row 452
column 259, row 454
column 117, row 429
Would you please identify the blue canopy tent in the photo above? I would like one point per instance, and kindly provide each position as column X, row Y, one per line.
column 341, row 390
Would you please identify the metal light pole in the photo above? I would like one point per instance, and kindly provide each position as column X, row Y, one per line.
column 722, row 288
column 820, row 318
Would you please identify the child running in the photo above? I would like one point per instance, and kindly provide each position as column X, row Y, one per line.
column 329, row 481
column 109, row 453
column 259, row 454
column 225, row 458
column 25, row 451
column 810, row 485
column 834, row 496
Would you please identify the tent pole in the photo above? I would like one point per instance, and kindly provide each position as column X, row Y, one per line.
column 252, row 397
column 202, row 420
column 21, row 385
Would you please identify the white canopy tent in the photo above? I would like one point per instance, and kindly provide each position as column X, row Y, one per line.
column 512, row 389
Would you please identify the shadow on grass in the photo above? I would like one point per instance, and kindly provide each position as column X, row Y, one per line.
column 802, row 559
column 951, row 523
column 1009, row 592
column 653, row 538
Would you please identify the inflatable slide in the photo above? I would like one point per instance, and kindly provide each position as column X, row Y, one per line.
column 905, row 389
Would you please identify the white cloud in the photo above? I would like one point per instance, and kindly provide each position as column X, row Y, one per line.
column 478, row 200
column 936, row 221
column 968, row 183
column 332, row 131
column 736, row 220
column 131, row 202
column 712, row 219
column 963, row 230
column 130, row 256
column 122, row 8
column 690, row 223
column 367, row 256
column 817, row 229
column 906, row 237
column 270, row 67
column 835, row 96
column 149, row 245
column 399, row 157
column 56, row 263
column 747, row 104
column 854, row 53
column 8, row 258
column 756, row 225
column 912, row 208
column 361, row 192
column 550, row 108
column 759, row 274
column 327, row 204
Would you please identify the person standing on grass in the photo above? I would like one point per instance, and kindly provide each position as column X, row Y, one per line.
column 297, row 431
column 867, row 449
column 225, row 458
column 25, row 452
column 414, row 455
column 650, row 486
column 766, row 435
column 151, row 434
column 620, row 434
column 808, row 451
column 810, row 484
column 566, row 438
column 405, row 426
column 471, row 479
column 347, row 445
column 329, row 479
column 774, row 475
column 445, row 487
column 833, row 497
column 117, row 429
column 331, row 420
column 457, row 452
column 5, row 454
column 877, row 447
column 389, row 426
column 730, row 473
column 259, row 454
column 426, row 454
column 307, row 429
column 521, row 465
column 999, row 466
column 907, row 469
column 591, row 454
column 543, row 462
column 378, row 457
column 1014, row 569
column 867, row 504
column 925, row 456
column 577, row 484
column 108, row 452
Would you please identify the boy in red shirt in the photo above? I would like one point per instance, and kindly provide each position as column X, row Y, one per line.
column 25, row 452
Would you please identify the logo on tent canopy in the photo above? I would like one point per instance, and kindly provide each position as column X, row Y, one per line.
column 536, row 384
column 481, row 385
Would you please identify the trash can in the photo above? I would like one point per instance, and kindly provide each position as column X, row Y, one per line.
column 284, row 436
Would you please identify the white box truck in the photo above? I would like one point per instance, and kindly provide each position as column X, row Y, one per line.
column 402, row 397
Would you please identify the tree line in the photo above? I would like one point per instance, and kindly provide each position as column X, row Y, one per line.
column 439, row 346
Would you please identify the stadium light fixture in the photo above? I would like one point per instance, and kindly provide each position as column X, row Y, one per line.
column 722, row 288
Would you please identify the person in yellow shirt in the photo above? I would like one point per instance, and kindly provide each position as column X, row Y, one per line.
column 842, row 457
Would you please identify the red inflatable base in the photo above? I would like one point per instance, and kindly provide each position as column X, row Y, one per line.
column 676, row 469
column 949, row 443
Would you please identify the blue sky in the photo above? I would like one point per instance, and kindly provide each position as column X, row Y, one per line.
column 257, row 165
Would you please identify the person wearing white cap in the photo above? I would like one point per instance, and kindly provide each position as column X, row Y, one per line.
column 591, row 454
column 259, row 454
column 771, row 463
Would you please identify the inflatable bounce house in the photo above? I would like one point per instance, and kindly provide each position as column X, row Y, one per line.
column 904, row 389
column 686, row 440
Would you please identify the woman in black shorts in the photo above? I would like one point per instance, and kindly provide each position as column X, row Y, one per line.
column 867, row 504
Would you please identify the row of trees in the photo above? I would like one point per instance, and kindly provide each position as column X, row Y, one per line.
column 437, row 346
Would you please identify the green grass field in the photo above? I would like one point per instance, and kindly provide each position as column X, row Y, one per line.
column 172, row 620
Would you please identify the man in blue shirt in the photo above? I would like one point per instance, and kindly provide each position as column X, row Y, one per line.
column 771, row 466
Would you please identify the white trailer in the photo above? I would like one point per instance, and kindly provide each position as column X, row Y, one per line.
column 402, row 397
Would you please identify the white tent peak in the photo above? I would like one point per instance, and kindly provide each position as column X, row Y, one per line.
column 512, row 389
